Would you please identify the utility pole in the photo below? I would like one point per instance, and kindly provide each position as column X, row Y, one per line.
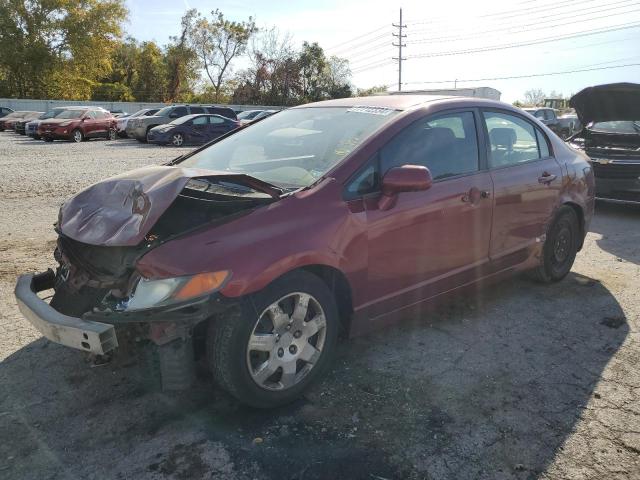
column 400, row 36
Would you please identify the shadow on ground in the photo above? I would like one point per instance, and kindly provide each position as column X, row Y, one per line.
column 612, row 222
column 485, row 388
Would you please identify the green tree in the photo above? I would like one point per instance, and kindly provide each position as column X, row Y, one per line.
column 65, row 40
column 217, row 43
column 151, row 82
column 181, row 60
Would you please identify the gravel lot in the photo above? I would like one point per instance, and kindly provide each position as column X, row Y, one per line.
column 527, row 381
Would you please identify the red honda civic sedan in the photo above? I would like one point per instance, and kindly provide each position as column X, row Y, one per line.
column 254, row 251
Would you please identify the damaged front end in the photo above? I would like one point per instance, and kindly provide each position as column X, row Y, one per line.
column 611, row 138
column 105, row 230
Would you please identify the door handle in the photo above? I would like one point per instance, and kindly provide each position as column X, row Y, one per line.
column 473, row 195
column 547, row 178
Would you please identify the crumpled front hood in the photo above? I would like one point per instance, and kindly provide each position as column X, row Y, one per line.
column 121, row 210
column 604, row 103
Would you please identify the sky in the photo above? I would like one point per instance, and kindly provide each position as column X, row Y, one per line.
column 446, row 41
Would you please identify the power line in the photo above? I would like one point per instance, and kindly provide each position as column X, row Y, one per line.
column 585, row 33
column 532, row 75
column 341, row 44
column 555, row 15
column 511, row 13
column 522, row 29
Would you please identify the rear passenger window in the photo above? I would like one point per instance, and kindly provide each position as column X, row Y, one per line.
column 178, row 112
column 446, row 144
column 197, row 110
column 512, row 139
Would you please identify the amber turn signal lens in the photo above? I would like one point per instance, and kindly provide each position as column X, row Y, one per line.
column 202, row 284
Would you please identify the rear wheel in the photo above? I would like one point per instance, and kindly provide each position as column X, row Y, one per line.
column 177, row 139
column 48, row 139
column 77, row 136
column 560, row 247
column 277, row 343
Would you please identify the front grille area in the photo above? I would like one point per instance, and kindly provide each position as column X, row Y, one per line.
column 620, row 171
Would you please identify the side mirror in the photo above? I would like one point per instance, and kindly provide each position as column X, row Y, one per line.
column 407, row 178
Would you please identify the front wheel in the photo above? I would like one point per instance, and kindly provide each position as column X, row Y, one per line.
column 177, row 139
column 560, row 247
column 77, row 136
column 112, row 134
column 277, row 342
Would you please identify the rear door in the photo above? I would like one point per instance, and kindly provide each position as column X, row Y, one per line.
column 527, row 181
column 217, row 126
column 199, row 129
column 434, row 240
column 103, row 121
column 89, row 124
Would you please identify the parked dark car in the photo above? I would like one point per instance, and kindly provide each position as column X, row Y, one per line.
column 192, row 130
column 611, row 138
column 122, row 122
column 248, row 115
column 31, row 128
column 252, row 252
column 548, row 116
column 4, row 111
column 7, row 122
column 20, row 125
column 141, row 126
column 79, row 123
column 255, row 116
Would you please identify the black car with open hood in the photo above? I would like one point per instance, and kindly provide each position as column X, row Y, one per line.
column 610, row 115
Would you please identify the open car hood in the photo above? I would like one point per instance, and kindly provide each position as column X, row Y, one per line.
column 121, row 210
column 604, row 103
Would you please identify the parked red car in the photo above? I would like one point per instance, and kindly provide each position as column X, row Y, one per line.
column 78, row 124
column 256, row 250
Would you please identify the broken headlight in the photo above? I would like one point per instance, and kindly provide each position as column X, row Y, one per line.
column 159, row 293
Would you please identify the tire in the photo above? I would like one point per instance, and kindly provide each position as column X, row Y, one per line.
column 236, row 366
column 77, row 136
column 146, row 137
column 560, row 247
column 47, row 139
column 177, row 139
column 112, row 134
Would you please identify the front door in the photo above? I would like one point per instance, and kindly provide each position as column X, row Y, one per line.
column 438, row 239
column 526, row 178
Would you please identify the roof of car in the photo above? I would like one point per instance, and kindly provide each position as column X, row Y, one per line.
column 396, row 102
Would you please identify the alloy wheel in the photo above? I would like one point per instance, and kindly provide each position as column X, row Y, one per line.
column 286, row 341
column 112, row 134
column 177, row 139
column 77, row 136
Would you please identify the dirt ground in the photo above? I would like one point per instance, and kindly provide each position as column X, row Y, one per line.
column 528, row 382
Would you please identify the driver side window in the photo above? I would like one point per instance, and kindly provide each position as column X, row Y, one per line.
column 446, row 144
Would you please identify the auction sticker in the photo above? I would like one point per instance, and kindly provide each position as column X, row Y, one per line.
column 372, row 110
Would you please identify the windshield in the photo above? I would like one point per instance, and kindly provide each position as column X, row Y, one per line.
column 249, row 114
column 71, row 114
column 294, row 148
column 617, row 126
column 138, row 113
column 163, row 112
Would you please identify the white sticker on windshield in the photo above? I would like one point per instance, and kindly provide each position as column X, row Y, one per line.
column 372, row 110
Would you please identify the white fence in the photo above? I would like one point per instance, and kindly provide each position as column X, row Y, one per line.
column 18, row 104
